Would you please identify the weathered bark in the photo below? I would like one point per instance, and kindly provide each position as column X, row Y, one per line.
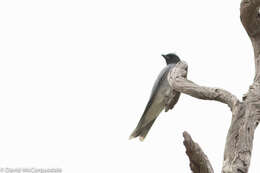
column 199, row 162
column 245, row 117
column 245, row 113
column 178, row 81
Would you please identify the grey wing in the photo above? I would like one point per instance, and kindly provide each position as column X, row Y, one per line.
column 163, row 74
column 155, row 104
column 160, row 96
column 172, row 101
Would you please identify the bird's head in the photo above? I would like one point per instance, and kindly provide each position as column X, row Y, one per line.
column 171, row 58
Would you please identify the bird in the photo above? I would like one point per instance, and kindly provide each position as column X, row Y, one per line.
column 163, row 96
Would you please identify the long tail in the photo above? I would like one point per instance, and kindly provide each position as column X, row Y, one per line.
column 151, row 112
column 146, row 130
column 142, row 129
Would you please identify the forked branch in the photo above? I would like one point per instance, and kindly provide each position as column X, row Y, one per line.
column 245, row 114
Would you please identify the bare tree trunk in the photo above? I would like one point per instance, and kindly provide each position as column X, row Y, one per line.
column 245, row 113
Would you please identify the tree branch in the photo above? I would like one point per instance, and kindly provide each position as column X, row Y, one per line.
column 250, row 18
column 239, row 142
column 178, row 81
column 245, row 114
column 199, row 162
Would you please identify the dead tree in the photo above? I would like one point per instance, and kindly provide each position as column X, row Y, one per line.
column 245, row 112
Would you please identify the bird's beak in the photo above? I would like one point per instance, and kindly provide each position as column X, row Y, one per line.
column 164, row 56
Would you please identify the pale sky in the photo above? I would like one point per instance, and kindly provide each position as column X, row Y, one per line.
column 75, row 77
